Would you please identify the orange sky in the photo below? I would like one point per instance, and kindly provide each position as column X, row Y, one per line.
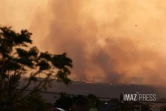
column 114, row 41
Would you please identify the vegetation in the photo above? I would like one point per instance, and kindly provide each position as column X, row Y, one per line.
column 93, row 101
column 68, row 101
column 19, row 58
column 65, row 101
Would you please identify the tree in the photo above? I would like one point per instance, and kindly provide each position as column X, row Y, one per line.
column 19, row 58
column 93, row 101
column 65, row 102
column 80, row 103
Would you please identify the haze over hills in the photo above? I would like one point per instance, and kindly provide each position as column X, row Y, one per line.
column 102, row 89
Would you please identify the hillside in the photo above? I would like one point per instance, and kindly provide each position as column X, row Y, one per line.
column 101, row 89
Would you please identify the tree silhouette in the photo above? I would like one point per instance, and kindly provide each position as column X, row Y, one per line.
column 18, row 58
column 93, row 101
column 65, row 102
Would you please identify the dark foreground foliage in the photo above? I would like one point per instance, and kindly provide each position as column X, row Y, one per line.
column 19, row 58
column 69, row 102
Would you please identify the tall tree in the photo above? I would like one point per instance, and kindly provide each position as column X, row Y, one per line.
column 17, row 59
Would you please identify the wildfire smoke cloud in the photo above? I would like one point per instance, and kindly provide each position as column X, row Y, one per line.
column 116, row 41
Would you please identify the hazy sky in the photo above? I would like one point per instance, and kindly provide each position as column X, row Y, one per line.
column 113, row 41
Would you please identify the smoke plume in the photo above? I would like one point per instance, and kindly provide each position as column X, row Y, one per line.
column 115, row 41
